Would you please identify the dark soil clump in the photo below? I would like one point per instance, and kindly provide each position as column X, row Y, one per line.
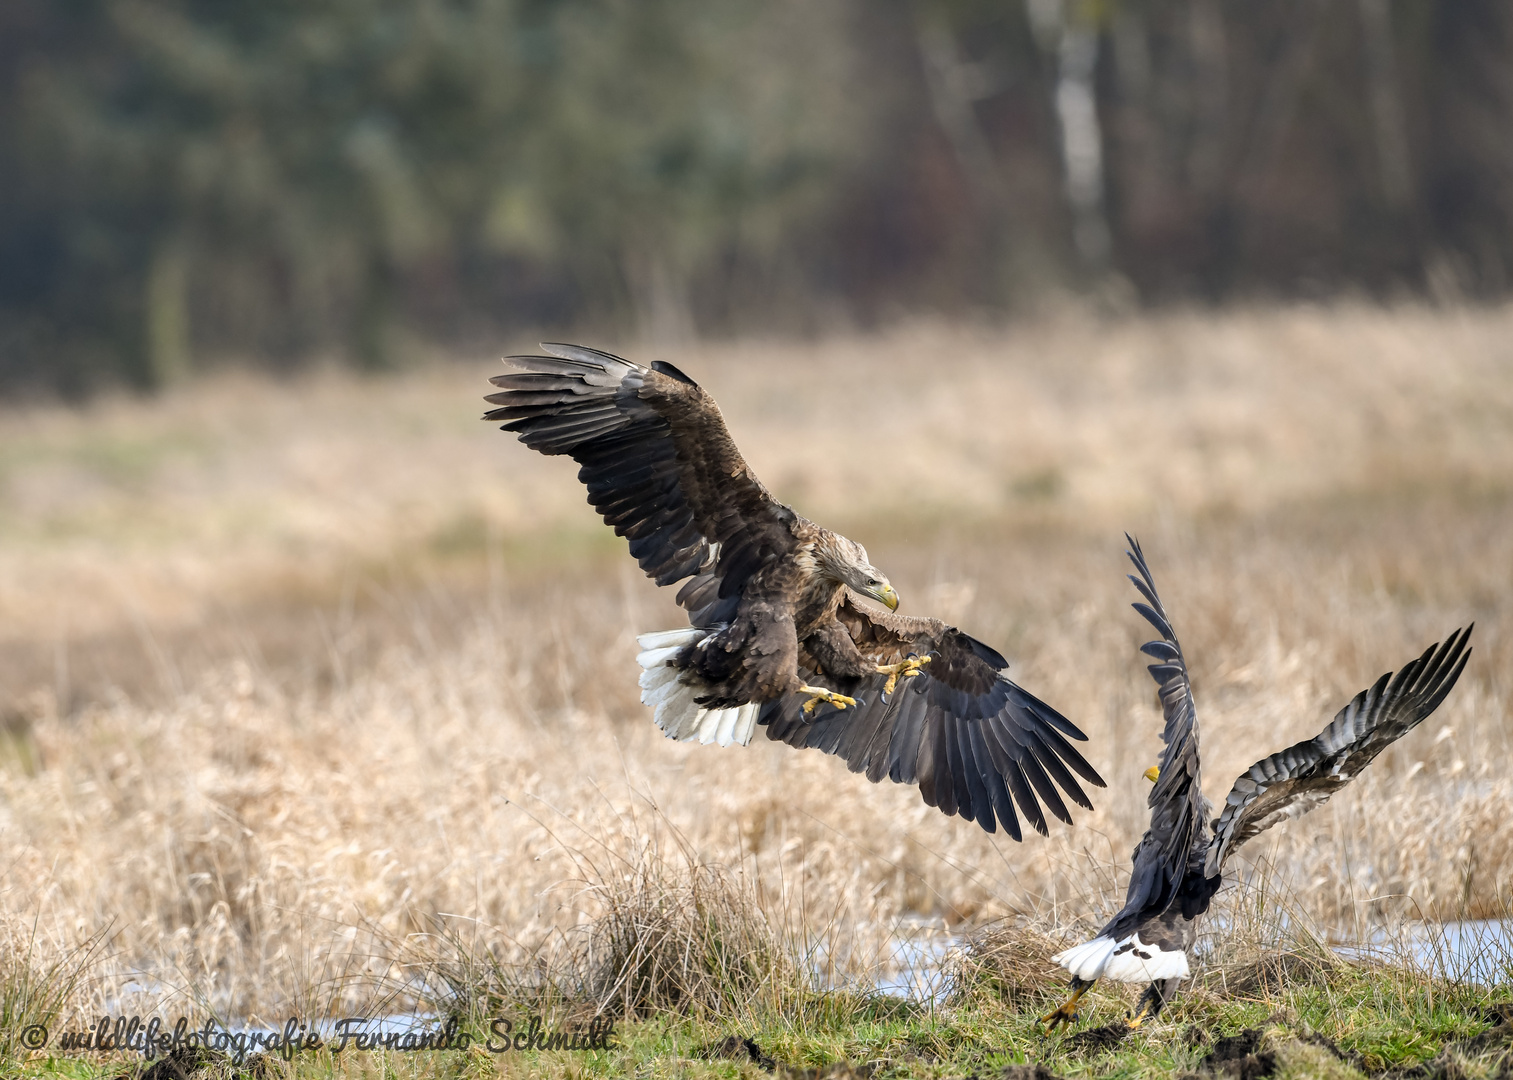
column 739, row 1048
column 1499, row 1036
column 197, row 1063
column 1027, row 1072
column 1501, row 1013
column 1326, row 1043
column 1096, row 1039
column 1446, row 1065
column 1240, row 1056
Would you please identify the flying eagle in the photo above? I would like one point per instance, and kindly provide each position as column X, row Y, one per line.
column 778, row 638
column 1179, row 863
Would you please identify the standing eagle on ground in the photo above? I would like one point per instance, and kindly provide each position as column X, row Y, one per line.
column 1179, row 863
column 777, row 637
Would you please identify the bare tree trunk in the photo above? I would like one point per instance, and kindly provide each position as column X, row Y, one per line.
column 1210, row 85
column 1279, row 101
column 1076, row 47
column 954, row 86
column 1082, row 143
column 1143, row 151
column 1386, row 103
column 950, row 83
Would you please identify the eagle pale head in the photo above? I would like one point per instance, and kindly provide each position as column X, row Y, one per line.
column 846, row 562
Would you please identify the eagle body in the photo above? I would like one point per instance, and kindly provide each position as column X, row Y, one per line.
column 773, row 605
column 1178, row 865
column 788, row 610
column 1150, row 942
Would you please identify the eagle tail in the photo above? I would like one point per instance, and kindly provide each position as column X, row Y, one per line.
column 672, row 700
column 1087, row 961
column 1135, row 961
column 1127, row 959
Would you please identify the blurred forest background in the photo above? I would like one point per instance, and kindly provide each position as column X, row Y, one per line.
column 196, row 182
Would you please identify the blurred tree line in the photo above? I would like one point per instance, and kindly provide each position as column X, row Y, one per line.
column 188, row 180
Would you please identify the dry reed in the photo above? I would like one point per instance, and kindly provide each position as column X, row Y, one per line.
column 314, row 696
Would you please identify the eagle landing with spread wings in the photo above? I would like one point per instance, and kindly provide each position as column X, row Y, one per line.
column 777, row 638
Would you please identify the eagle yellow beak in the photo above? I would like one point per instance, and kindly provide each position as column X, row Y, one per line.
column 1153, row 773
column 887, row 596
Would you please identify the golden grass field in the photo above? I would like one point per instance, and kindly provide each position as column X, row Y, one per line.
column 294, row 676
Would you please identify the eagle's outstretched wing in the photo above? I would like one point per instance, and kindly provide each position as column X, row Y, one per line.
column 1176, row 801
column 1293, row 781
column 974, row 742
column 659, row 464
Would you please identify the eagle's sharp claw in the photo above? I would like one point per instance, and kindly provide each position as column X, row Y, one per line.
column 1060, row 1015
column 1066, row 1012
column 904, row 669
column 1149, row 1006
column 840, row 701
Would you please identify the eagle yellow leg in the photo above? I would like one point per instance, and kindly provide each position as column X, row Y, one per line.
column 1066, row 1013
column 902, row 670
column 840, row 701
column 1149, row 1005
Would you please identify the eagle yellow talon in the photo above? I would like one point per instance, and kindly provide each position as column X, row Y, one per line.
column 1143, row 1013
column 1066, row 1013
column 904, row 669
column 840, row 701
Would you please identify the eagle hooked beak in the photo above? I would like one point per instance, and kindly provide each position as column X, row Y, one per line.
column 1153, row 773
column 886, row 595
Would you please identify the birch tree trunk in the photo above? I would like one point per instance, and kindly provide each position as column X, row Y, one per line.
column 1075, row 45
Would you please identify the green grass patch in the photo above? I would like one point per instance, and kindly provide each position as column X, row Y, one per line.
column 1349, row 1021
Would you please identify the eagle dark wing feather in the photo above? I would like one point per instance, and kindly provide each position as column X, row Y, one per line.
column 1176, row 799
column 985, row 743
column 659, row 465
column 1293, row 781
column 1034, row 772
column 908, row 732
column 975, row 743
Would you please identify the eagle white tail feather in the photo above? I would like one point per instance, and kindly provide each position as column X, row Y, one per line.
column 1086, row 961
column 655, row 658
column 1129, row 960
column 662, row 639
column 672, row 701
column 1135, row 961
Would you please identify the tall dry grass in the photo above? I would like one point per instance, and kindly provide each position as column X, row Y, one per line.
column 320, row 696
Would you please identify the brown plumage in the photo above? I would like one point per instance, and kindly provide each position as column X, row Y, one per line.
column 771, row 602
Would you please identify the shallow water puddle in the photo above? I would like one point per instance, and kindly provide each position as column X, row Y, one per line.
column 1474, row 950
column 918, row 968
